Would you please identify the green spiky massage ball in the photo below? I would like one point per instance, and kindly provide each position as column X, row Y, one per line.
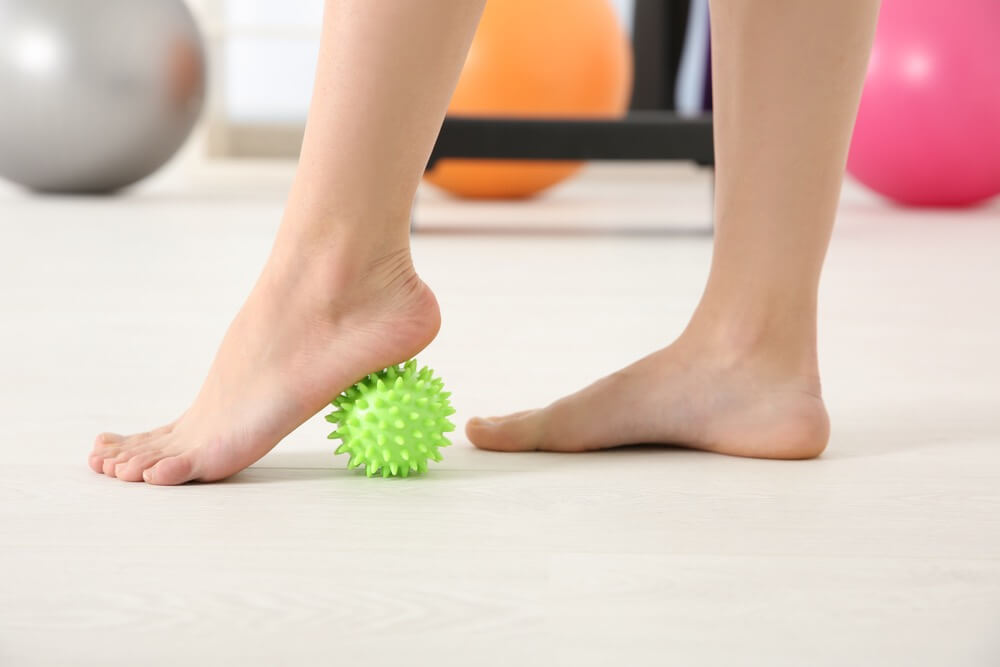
column 393, row 420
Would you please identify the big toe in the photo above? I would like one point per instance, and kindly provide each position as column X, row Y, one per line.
column 170, row 471
column 519, row 432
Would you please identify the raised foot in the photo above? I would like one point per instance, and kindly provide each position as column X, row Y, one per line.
column 287, row 354
column 678, row 396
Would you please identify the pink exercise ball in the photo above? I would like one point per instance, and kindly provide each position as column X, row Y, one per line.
column 928, row 130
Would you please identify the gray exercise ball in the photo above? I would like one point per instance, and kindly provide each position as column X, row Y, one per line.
column 95, row 94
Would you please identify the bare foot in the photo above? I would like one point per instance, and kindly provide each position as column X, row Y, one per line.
column 682, row 395
column 312, row 326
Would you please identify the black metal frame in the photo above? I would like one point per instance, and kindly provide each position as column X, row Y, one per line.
column 642, row 135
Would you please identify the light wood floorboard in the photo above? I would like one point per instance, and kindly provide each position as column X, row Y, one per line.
column 885, row 551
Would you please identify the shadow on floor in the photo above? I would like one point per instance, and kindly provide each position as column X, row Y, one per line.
column 463, row 460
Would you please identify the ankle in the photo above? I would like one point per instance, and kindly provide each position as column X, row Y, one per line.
column 781, row 349
column 333, row 231
column 344, row 250
column 349, row 247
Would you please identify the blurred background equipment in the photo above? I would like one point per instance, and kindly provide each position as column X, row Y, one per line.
column 559, row 58
column 265, row 51
column 95, row 96
column 928, row 131
column 669, row 117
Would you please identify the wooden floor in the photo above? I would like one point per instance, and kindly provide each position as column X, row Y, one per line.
column 886, row 551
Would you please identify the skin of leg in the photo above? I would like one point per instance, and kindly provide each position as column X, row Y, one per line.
column 338, row 297
column 743, row 377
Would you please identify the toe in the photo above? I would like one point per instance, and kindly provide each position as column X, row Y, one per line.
column 104, row 448
column 111, row 450
column 131, row 470
column 125, row 454
column 97, row 459
column 170, row 471
column 520, row 432
column 109, row 463
column 108, row 466
column 107, row 439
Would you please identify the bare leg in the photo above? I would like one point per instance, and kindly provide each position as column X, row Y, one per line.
column 743, row 377
column 339, row 297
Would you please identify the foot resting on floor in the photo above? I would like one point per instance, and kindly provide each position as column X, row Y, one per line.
column 681, row 395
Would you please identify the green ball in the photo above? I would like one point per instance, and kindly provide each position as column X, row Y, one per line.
column 393, row 420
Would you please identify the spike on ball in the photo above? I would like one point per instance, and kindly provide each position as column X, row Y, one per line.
column 368, row 423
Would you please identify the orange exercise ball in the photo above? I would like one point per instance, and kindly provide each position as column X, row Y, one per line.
column 537, row 58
